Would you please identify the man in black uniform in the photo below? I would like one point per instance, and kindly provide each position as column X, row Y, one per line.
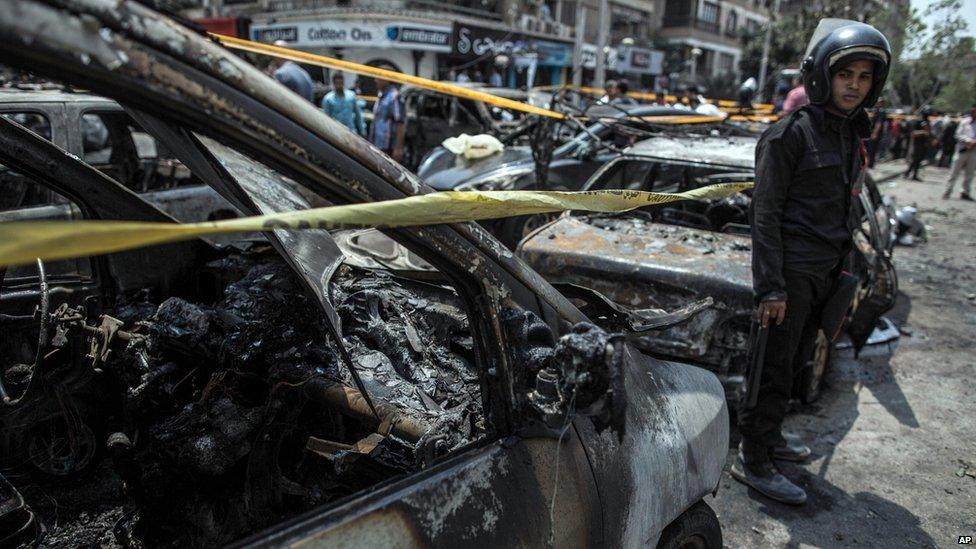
column 804, row 208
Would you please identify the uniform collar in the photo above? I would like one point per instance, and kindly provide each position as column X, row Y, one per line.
column 859, row 120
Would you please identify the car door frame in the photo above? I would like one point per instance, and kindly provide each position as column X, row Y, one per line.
column 186, row 81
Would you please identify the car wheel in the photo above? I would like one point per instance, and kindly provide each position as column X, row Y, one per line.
column 696, row 528
column 811, row 379
column 514, row 229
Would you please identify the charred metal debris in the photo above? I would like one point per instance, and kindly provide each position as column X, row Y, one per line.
column 235, row 411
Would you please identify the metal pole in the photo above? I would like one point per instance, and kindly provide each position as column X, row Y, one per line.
column 764, row 63
column 601, row 44
column 578, row 47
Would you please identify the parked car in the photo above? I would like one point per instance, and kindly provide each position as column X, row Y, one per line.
column 99, row 131
column 432, row 117
column 666, row 255
column 573, row 162
column 488, row 409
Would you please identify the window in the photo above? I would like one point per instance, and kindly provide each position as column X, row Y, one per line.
column 726, row 63
column 114, row 144
column 24, row 199
column 35, row 122
column 732, row 22
column 709, row 12
column 752, row 26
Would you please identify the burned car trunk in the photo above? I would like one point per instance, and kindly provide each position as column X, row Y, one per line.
column 642, row 264
column 297, row 397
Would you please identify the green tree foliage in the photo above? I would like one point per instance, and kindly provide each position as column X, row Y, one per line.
column 938, row 62
column 934, row 65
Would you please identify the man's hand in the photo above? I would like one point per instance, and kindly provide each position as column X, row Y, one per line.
column 771, row 310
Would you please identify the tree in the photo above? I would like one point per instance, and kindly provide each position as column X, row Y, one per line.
column 936, row 60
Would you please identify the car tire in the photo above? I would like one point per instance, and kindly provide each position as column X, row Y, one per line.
column 811, row 378
column 696, row 528
column 514, row 229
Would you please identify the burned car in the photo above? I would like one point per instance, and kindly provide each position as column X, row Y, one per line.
column 432, row 117
column 514, row 168
column 99, row 131
column 665, row 255
column 277, row 392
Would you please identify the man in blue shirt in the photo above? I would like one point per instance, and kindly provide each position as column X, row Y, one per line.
column 291, row 75
column 389, row 127
column 342, row 105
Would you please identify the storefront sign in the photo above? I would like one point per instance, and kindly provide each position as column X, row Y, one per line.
column 640, row 60
column 340, row 34
column 589, row 57
column 471, row 42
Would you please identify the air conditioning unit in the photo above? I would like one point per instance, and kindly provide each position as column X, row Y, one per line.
column 530, row 23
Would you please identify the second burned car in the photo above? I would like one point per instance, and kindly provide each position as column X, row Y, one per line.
column 668, row 255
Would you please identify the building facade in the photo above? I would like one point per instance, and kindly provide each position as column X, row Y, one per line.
column 511, row 42
column 709, row 33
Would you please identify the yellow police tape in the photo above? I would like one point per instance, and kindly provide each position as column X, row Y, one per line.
column 426, row 83
column 385, row 74
column 21, row 242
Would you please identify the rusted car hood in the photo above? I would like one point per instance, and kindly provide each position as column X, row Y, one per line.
column 676, row 262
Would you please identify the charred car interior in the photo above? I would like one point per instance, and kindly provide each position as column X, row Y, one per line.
column 307, row 385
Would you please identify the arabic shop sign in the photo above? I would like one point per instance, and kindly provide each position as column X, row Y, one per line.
column 341, row 34
column 471, row 42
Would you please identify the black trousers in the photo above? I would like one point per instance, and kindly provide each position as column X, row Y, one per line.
column 788, row 348
column 914, row 166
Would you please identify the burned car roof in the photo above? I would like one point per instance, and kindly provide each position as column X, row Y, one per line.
column 735, row 151
column 17, row 95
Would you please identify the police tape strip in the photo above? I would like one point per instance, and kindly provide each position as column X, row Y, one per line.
column 21, row 242
column 385, row 74
column 426, row 83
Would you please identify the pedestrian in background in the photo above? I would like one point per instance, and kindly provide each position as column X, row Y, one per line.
column 797, row 96
column 389, row 120
column 809, row 168
column 342, row 105
column 897, row 139
column 920, row 141
column 879, row 123
column 620, row 96
column 948, row 145
column 965, row 156
column 289, row 73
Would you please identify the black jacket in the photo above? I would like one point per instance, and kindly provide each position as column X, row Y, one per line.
column 804, row 207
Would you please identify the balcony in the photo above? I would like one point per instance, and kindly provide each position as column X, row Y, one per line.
column 690, row 21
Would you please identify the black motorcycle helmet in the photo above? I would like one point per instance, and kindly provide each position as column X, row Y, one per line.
column 834, row 44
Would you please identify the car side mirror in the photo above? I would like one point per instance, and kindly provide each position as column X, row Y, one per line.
column 584, row 377
column 586, row 151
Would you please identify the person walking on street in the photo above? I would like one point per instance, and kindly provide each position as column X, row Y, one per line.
column 965, row 156
column 342, row 105
column 809, row 169
column 948, row 144
column 389, row 120
column 879, row 123
column 289, row 73
column 797, row 96
column 920, row 140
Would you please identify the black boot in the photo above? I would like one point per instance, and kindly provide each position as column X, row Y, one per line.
column 791, row 448
column 753, row 468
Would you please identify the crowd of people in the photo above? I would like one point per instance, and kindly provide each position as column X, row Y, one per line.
column 929, row 138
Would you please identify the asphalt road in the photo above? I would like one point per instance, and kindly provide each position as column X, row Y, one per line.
column 894, row 435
